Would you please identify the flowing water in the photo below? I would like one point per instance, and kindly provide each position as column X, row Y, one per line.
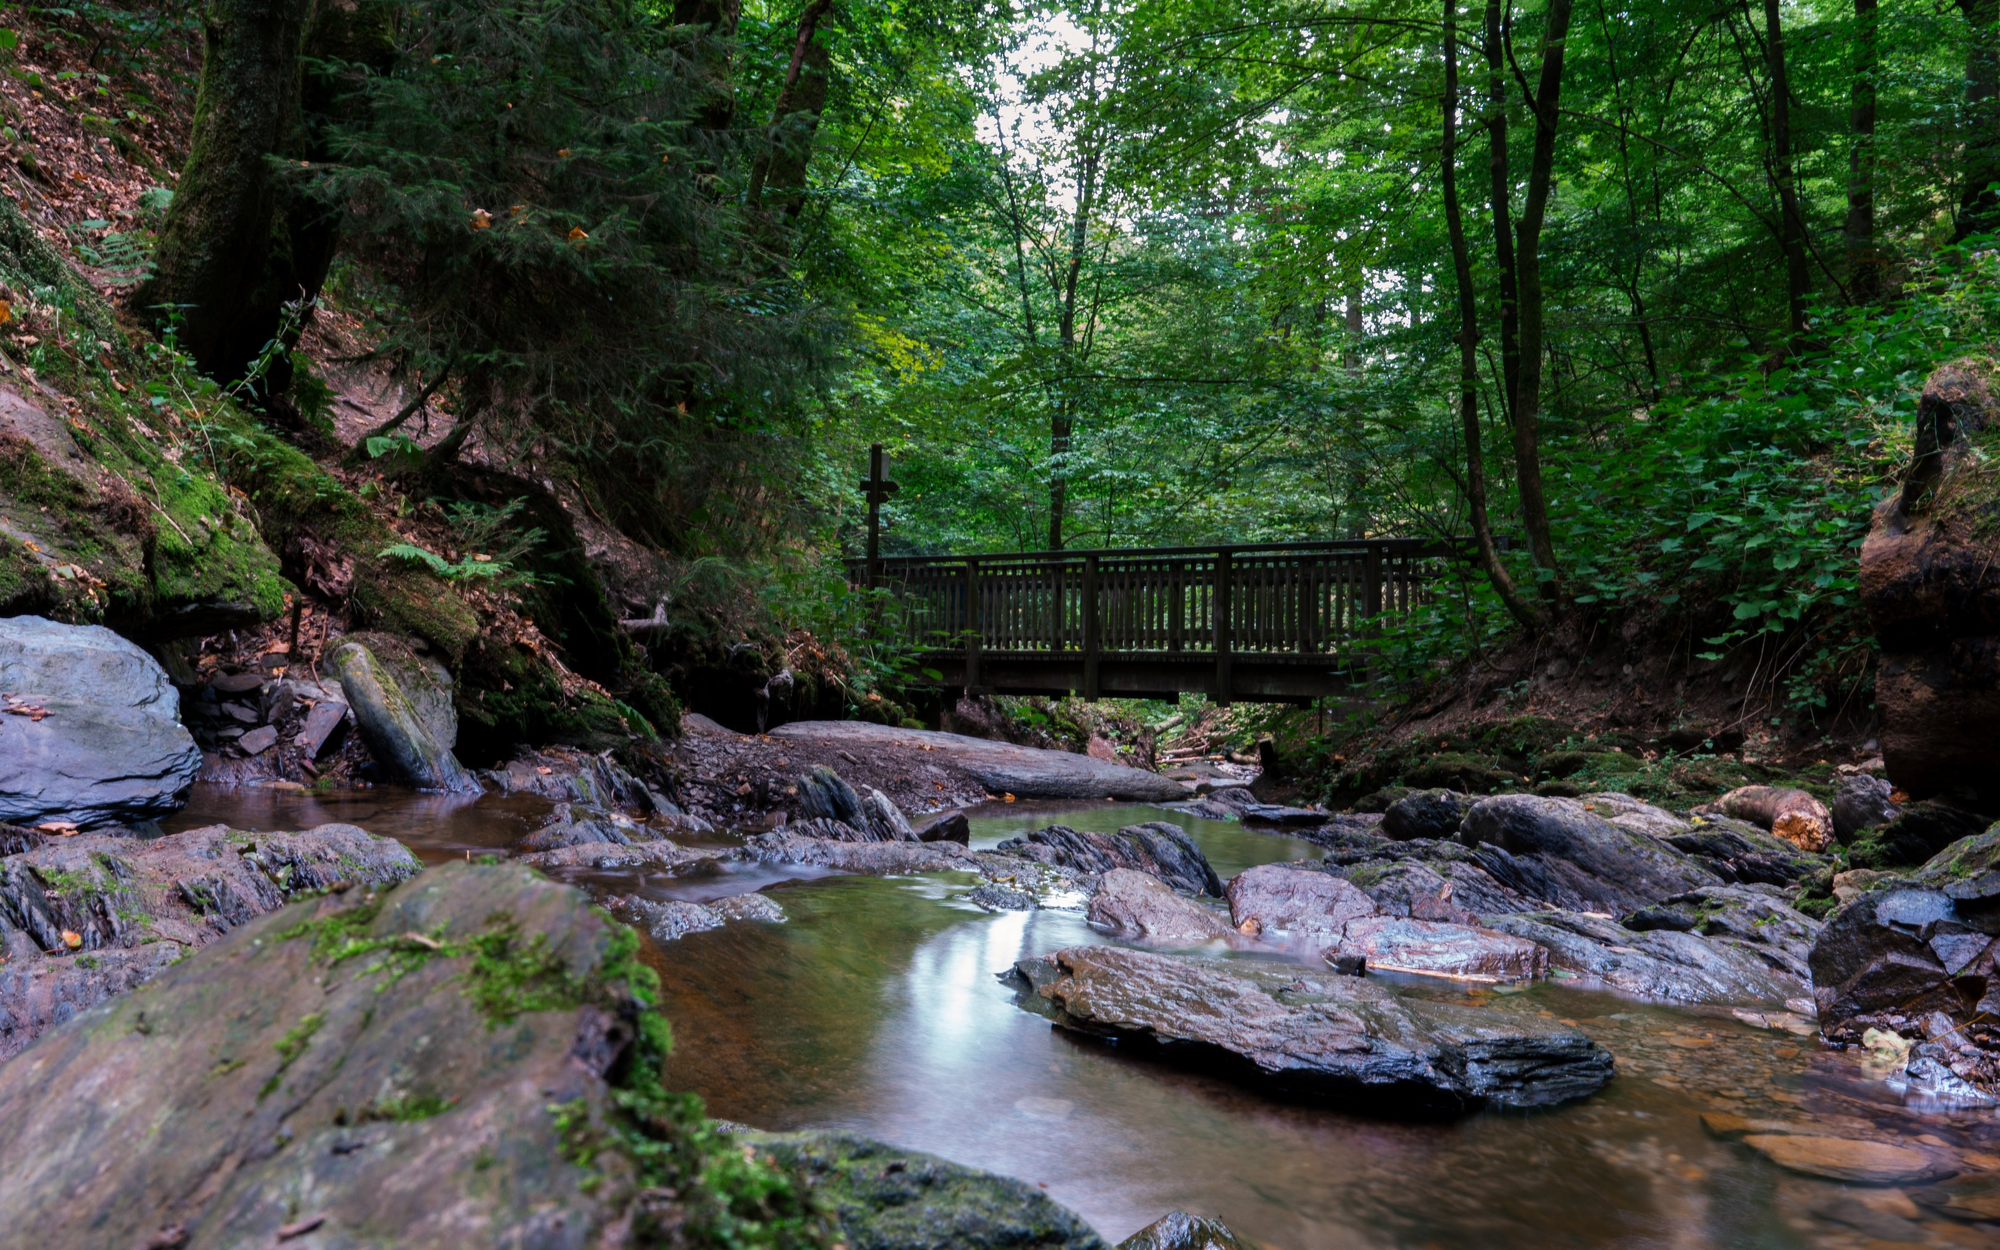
column 875, row 1009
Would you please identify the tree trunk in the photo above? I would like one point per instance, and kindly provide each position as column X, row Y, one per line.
column 1979, row 210
column 1528, row 263
column 1792, row 225
column 716, row 111
column 1468, row 337
column 1357, row 327
column 1864, row 267
column 794, row 117
column 222, row 279
column 1503, row 209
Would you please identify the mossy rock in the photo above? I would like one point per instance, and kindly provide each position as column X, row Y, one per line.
column 1921, row 831
column 1468, row 774
column 1963, row 860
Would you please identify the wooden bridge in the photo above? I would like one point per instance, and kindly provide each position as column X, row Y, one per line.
column 1268, row 623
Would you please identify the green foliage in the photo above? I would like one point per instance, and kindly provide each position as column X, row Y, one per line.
column 526, row 183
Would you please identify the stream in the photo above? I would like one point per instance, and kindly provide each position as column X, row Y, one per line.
column 875, row 1009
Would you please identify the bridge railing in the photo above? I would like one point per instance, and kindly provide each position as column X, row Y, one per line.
column 1270, row 600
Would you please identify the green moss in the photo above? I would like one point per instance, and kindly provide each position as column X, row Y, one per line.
column 405, row 1108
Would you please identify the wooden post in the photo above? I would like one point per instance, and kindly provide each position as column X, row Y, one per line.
column 1371, row 581
column 1220, row 601
column 1091, row 641
column 971, row 623
column 877, row 489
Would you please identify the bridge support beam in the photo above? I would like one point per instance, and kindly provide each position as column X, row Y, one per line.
column 1090, row 628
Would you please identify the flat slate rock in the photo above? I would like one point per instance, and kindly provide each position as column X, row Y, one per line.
column 1157, row 847
column 880, row 859
column 1002, row 767
column 1577, row 859
column 111, row 746
column 674, row 919
column 1312, row 1034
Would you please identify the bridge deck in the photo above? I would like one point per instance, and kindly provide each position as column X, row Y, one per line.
column 1267, row 623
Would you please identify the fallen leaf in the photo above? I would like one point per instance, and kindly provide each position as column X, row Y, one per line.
column 72, row 939
column 576, row 234
column 481, row 219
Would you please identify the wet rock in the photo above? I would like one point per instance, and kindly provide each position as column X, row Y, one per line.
column 1277, row 814
column 1792, row 816
column 996, row 897
column 882, row 1198
column 1853, row 1161
column 1862, row 802
column 1661, row 963
column 1138, row 904
column 583, row 826
column 1178, row 1230
column 1316, row 1035
column 1001, row 767
column 674, row 919
column 400, row 1097
column 571, row 775
column 111, row 746
column 828, row 802
column 1431, row 948
column 867, row 858
column 135, row 907
column 1578, row 859
column 402, row 701
column 257, row 741
column 1162, row 849
column 1280, row 902
column 1739, row 852
column 1918, row 959
column 1431, row 814
column 663, row 856
column 949, row 827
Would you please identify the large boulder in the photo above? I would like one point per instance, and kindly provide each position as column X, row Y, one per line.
column 1930, row 582
column 87, row 917
column 1138, row 904
column 1317, row 1035
column 1425, row 814
column 96, row 736
column 473, row 1050
column 1579, row 860
column 402, row 701
column 1162, row 849
column 1283, row 902
column 1739, row 852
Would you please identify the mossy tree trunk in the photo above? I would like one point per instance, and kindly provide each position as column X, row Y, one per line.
column 238, row 243
column 219, row 282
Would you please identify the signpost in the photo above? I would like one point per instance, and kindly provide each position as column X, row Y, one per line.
column 878, row 489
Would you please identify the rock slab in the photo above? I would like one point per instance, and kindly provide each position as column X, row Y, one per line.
column 1002, row 767
column 1138, row 904
column 111, row 746
column 1157, row 847
column 1316, row 1035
